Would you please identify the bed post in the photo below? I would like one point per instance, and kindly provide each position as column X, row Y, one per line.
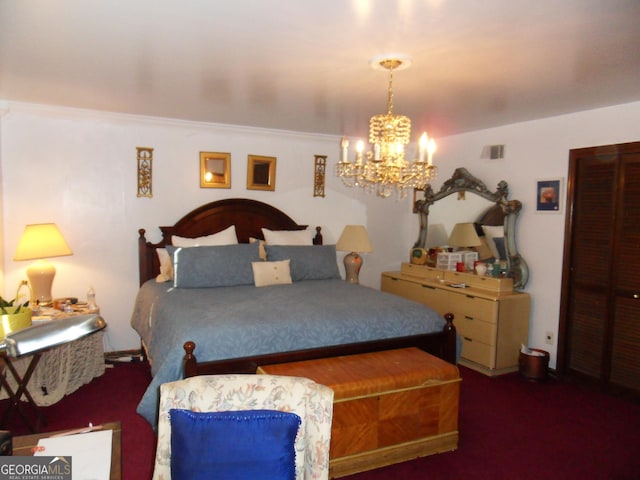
column 317, row 239
column 143, row 257
column 189, row 365
column 449, row 352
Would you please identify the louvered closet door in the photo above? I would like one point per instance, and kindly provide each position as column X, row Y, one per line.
column 601, row 297
column 591, row 245
column 625, row 354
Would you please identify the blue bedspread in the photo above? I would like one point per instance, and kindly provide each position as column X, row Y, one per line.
column 230, row 322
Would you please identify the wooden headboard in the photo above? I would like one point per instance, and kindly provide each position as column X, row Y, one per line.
column 493, row 216
column 248, row 216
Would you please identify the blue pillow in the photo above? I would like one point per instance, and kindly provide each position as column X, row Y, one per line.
column 314, row 262
column 213, row 266
column 255, row 444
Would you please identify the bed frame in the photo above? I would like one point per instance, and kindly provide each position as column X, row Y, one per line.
column 249, row 216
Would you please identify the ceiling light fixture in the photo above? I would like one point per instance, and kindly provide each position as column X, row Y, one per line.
column 385, row 170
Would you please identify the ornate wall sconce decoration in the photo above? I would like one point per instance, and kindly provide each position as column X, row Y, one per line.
column 145, row 163
column 320, row 166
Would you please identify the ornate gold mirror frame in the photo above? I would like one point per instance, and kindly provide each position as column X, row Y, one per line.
column 261, row 173
column 215, row 170
column 461, row 182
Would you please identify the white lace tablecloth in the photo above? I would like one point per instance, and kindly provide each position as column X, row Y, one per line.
column 61, row 370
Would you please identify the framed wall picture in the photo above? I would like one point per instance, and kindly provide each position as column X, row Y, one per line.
column 549, row 196
column 215, row 170
column 261, row 173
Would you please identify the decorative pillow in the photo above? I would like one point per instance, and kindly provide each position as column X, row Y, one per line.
column 288, row 237
column 166, row 266
column 271, row 273
column 221, row 266
column 255, row 444
column 225, row 237
column 317, row 262
column 491, row 233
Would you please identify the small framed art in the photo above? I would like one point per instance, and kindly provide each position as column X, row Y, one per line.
column 215, row 170
column 549, row 196
column 261, row 173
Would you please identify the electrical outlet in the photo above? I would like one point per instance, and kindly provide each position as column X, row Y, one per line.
column 548, row 338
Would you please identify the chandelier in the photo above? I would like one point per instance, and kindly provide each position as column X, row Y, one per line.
column 385, row 170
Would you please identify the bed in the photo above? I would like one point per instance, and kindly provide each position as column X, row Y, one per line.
column 189, row 329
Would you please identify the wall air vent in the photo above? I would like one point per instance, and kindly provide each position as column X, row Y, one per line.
column 493, row 152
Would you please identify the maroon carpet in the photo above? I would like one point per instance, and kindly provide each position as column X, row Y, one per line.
column 509, row 429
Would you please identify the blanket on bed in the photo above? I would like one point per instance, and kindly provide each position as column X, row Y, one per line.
column 231, row 322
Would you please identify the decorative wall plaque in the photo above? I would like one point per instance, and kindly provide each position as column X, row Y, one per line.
column 145, row 170
column 320, row 166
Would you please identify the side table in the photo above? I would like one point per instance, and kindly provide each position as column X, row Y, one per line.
column 64, row 346
column 63, row 369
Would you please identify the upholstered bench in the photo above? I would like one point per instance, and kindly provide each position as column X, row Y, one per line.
column 389, row 406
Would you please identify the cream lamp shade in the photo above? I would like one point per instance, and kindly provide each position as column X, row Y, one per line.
column 353, row 239
column 38, row 242
column 436, row 235
column 464, row 235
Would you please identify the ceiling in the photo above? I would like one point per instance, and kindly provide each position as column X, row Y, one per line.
column 303, row 65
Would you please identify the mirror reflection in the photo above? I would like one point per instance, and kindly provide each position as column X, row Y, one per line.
column 464, row 198
column 261, row 173
column 215, row 170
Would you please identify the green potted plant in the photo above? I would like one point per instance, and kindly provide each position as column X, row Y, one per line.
column 15, row 315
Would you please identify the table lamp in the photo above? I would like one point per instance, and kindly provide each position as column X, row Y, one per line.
column 464, row 236
column 354, row 239
column 38, row 242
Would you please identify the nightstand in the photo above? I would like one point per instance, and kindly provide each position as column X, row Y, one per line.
column 491, row 318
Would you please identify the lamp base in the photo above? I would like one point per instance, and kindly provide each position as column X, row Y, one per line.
column 40, row 274
column 352, row 265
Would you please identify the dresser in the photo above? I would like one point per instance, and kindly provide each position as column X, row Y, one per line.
column 491, row 318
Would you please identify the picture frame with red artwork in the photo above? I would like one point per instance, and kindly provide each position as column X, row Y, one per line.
column 549, row 195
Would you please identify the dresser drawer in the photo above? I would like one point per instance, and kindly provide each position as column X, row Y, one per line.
column 473, row 307
column 416, row 291
column 492, row 323
column 479, row 352
column 474, row 329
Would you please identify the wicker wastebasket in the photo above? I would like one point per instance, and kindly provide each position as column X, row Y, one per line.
column 534, row 367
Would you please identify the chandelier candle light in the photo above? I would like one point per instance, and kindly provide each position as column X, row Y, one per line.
column 385, row 170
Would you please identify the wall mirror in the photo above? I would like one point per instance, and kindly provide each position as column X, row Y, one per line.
column 465, row 198
column 261, row 173
column 215, row 170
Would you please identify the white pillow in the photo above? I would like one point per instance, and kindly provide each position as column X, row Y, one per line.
column 225, row 237
column 271, row 273
column 288, row 237
column 166, row 266
column 491, row 233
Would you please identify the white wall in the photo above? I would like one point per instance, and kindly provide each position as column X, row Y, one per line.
column 78, row 168
column 538, row 150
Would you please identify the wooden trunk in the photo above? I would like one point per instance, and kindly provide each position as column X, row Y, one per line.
column 389, row 406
